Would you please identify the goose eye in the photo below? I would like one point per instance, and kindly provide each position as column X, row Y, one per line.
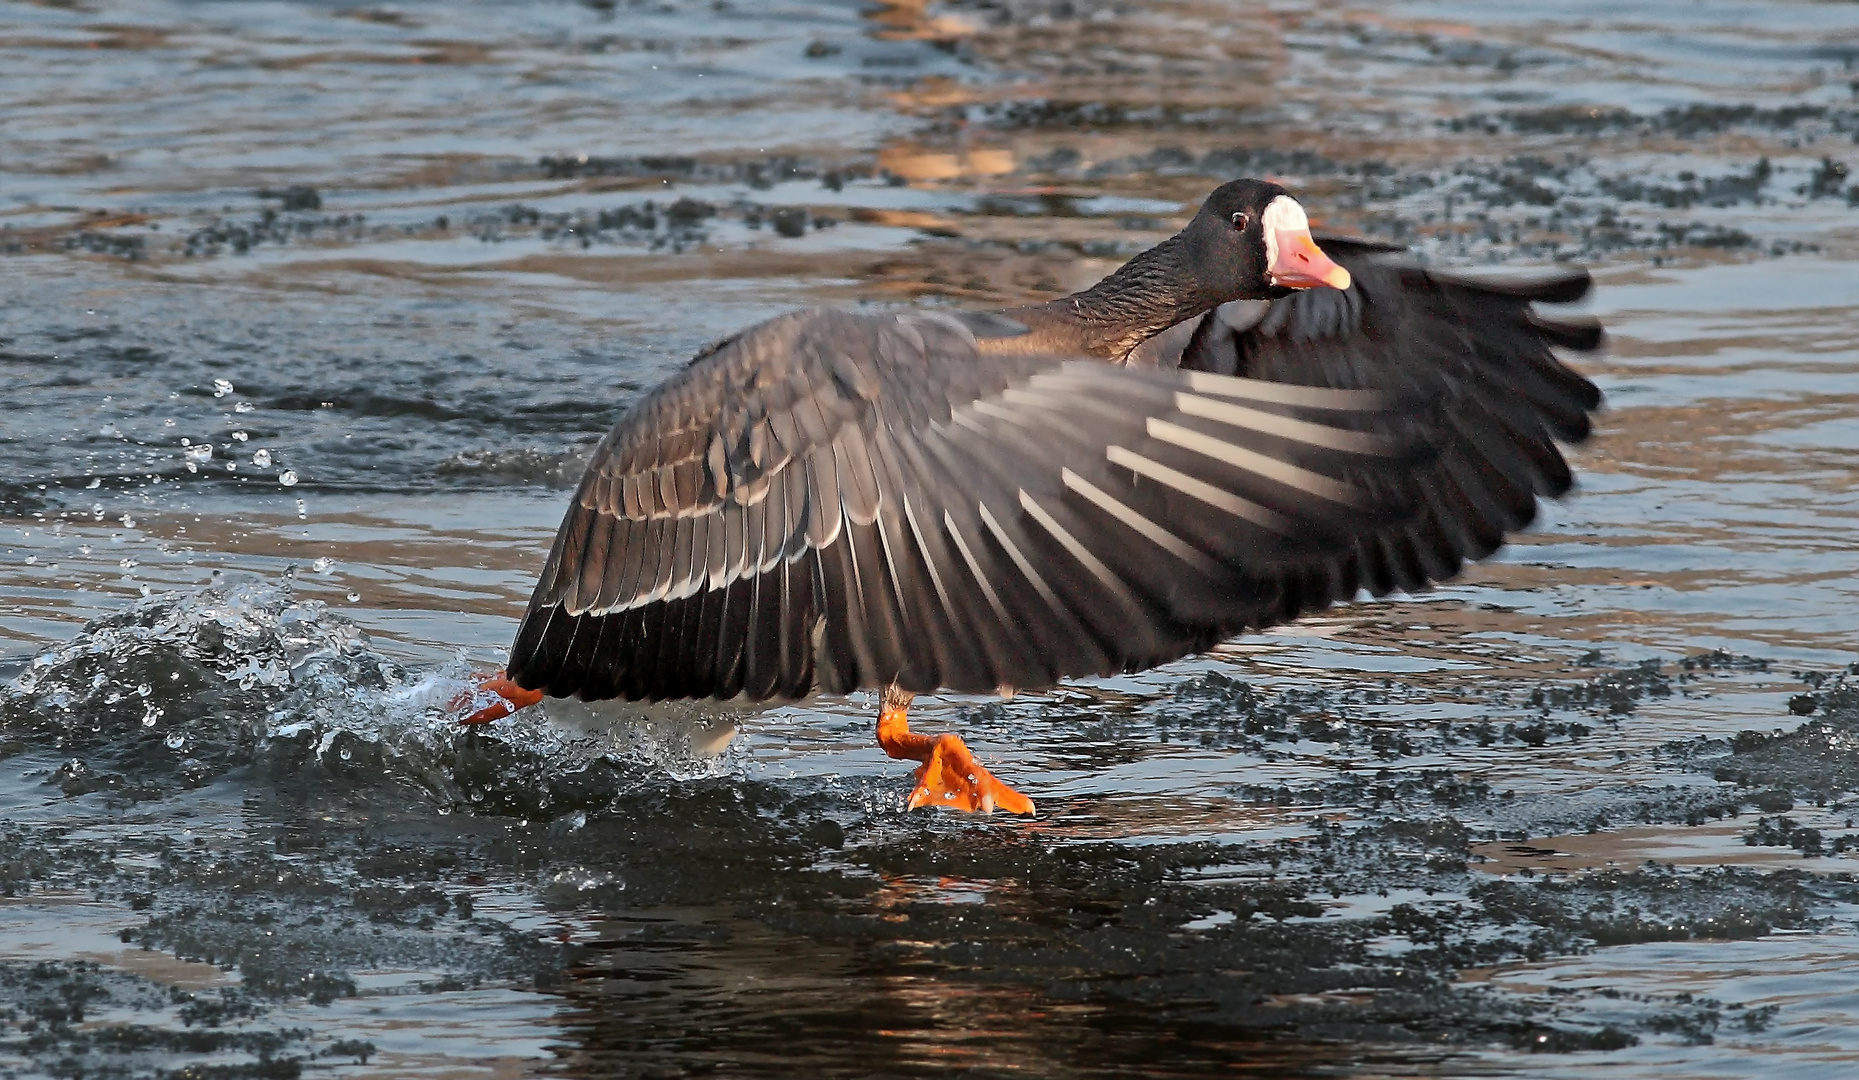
column 1241, row 219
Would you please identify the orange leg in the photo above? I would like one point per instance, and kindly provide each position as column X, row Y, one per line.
column 510, row 698
column 950, row 775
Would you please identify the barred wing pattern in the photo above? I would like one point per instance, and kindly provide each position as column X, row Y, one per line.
column 1482, row 344
column 832, row 500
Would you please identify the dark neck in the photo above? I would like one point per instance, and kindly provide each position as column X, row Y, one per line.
column 1144, row 297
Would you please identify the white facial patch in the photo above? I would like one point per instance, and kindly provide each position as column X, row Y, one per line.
column 1282, row 213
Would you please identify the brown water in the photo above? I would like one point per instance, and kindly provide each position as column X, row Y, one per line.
column 308, row 314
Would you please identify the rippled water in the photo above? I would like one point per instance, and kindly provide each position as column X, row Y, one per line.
column 310, row 312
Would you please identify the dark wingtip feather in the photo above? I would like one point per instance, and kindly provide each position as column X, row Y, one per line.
column 1559, row 287
column 1563, row 288
column 1580, row 334
column 526, row 665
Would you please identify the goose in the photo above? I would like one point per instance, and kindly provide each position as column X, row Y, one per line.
column 1241, row 425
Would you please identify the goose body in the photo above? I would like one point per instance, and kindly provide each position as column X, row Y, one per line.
column 1239, row 426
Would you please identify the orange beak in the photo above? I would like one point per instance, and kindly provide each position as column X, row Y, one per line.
column 1298, row 263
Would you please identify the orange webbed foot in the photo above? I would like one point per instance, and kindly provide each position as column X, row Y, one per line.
column 950, row 775
column 510, row 698
column 953, row 778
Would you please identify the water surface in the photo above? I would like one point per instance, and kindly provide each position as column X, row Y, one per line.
column 312, row 312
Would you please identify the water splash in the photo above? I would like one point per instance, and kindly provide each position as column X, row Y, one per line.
column 186, row 686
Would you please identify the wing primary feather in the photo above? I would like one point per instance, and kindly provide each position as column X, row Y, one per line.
column 596, row 563
column 1205, row 492
column 935, row 653
column 1261, row 390
column 1285, row 427
column 859, row 492
column 716, row 560
column 530, row 663
column 601, row 680
column 763, row 675
column 1078, row 551
column 689, row 661
column 761, row 670
column 688, row 572
column 1252, row 461
column 974, row 567
column 886, row 637
column 964, row 665
column 735, row 544
column 888, row 549
column 732, row 635
column 789, row 630
column 655, row 575
column 825, row 513
column 942, row 591
column 580, row 655
column 794, row 488
column 846, row 633
column 634, row 538
column 1020, row 560
column 1149, row 530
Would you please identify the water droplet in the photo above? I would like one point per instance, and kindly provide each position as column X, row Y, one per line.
column 30, row 559
column 244, row 407
column 175, row 740
column 128, row 522
column 322, row 565
column 144, row 690
column 477, row 796
column 95, row 483
column 354, row 596
column 221, row 388
column 287, row 478
column 240, row 436
column 108, row 431
column 83, row 549
column 128, row 564
column 198, row 451
column 262, row 459
column 345, row 754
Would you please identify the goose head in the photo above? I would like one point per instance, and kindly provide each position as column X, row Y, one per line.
column 1252, row 240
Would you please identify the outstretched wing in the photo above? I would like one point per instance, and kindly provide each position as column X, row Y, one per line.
column 1481, row 344
column 832, row 500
